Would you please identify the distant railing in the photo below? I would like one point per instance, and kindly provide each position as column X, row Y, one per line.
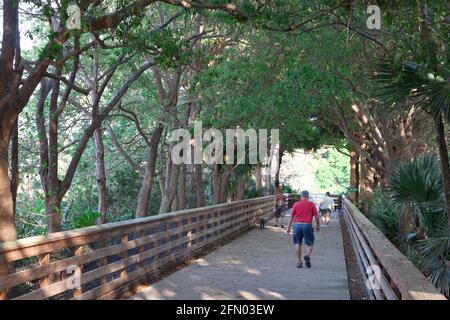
column 388, row 274
column 94, row 262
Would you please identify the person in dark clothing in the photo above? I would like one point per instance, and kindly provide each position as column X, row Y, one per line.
column 280, row 200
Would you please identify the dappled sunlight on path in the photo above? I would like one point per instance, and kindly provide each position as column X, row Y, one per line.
column 260, row 265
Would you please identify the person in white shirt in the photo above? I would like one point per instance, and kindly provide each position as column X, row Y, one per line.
column 326, row 207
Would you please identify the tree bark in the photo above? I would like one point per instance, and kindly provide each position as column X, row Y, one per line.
column 101, row 174
column 268, row 184
column 7, row 221
column 14, row 163
column 258, row 178
column 224, row 177
column 277, row 173
column 53, row 195
column 443, row 153
column 215, row 179
column 354, row 176
column 149, row 175
column 366, row 184
column 171, row 188
column 181, row 192
column 242, row 187
column 199, row 186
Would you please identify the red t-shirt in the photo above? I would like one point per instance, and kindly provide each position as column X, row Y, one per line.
column 280, row 198
column 304, row 211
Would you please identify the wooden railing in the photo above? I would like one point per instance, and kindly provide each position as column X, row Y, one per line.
column 94, row 262
column 388, row 274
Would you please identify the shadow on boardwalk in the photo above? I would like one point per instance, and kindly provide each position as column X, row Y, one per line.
column 260, row 265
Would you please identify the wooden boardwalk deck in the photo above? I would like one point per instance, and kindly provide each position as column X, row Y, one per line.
column 260, row 265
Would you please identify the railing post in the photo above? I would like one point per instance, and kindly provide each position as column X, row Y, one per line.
column 141, row 248
column 43, row 260
column 124, row 255
column 103, row 261
column 4, row 268
column 77, row 252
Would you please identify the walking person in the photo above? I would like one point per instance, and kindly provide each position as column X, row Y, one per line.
column 280, row 200
column 339, row 204
column 326, row 207
column 302, row 215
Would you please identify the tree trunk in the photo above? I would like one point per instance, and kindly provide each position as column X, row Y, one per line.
column 224, row 177
column 174, row 205
column 366, row 184
column 171, row 189
column 53, row 211
column 7, row 221
column 181, row 192
column 8, row 115
column 215, row 183
column 443, row 153
column 14, row 163
column 53, row 195
column 258, row 178
column 149, row 175
column 268, row 183
column 199, row 187
column 354, row 176
column 277, row 173
column 241, row 187
column 101, row 174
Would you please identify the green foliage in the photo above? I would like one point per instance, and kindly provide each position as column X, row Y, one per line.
column 400, row 82
column 334, row 172
column 287, row 188
column 86, row 219
column 416, row 190
column 384, row 215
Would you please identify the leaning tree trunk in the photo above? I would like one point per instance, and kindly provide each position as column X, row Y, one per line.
column 149, row 175
column 171, row 189
column 100, row 174
column 443, row 153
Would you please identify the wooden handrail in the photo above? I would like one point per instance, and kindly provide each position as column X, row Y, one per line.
column 113, row 255
column 399, row 278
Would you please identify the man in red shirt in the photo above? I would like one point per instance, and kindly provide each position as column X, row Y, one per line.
column 302, row 214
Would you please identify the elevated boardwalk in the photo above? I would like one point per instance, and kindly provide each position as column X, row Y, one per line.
column 260, row 265
column 102, row 262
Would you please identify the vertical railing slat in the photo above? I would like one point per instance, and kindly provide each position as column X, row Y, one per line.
column 78, row 251
column 43, row 260
column 3, row 272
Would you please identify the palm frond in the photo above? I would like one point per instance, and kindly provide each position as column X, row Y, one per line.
column 401, row 82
